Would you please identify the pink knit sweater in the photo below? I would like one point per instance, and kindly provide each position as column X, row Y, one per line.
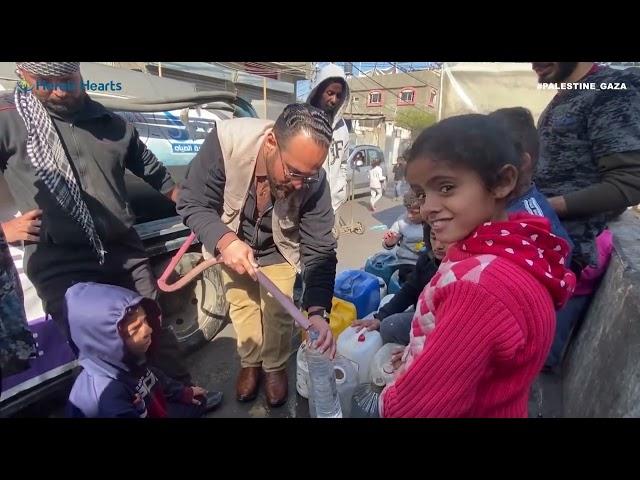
column 484, row 324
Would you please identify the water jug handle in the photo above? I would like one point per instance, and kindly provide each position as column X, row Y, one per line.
column 349, row 285
column 362, row 331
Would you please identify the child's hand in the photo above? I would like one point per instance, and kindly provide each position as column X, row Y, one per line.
column 197, row 392
column 390, row 238
column 372, row 324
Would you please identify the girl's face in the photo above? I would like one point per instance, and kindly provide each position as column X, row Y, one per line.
column 456, row 200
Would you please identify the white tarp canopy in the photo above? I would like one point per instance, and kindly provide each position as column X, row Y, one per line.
column 482, row 87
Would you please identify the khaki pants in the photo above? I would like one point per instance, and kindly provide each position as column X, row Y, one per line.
column 262, row 325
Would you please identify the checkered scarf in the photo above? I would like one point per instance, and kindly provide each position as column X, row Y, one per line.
column 47, row 155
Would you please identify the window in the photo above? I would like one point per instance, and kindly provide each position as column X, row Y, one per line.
column 407, row 96
column 374, row 155
column 433, row 97
column 359, row 156
column 375, row 98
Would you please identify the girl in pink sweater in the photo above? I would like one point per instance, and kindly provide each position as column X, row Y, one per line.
column 484, row 324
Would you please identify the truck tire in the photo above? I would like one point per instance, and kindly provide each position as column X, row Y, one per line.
column 197, row 312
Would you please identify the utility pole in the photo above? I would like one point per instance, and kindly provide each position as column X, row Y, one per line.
column 264, row 95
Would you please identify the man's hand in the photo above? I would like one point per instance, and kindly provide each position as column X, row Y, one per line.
column 173, row 194
column 25, row 228
column 325, row 342
column 390, row 238
column 369, row 324
column 239, row 256
column 559, row 205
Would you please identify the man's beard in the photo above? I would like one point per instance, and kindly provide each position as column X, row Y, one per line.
column 330, row 109
column 280, row 192
column 564, row 70
column 68, row 108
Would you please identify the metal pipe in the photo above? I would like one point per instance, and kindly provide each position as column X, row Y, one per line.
column 284, row 300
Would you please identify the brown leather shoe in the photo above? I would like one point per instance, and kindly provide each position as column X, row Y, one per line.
column 276, row 387
column 247, row 384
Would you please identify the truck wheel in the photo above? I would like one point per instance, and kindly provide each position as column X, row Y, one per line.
column 198, row 311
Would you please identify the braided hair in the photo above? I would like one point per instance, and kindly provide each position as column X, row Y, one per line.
column 301, row 117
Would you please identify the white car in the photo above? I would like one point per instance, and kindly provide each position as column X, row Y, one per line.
column 359, row 164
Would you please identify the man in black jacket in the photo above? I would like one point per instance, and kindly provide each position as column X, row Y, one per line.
column 393, row 320
column 64, row 157
column 257, row 195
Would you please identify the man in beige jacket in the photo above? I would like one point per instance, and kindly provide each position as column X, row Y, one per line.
column 256, row 193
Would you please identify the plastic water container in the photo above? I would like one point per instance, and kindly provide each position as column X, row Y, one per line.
column 360, row 288
column 323, row 391
column 346, row 373
column 359, row 346
column 381, row 264
column 302, row 372
column 382, row 372
column 383, row 288
column 342, row 315
column 364, row 403
column 394, row 283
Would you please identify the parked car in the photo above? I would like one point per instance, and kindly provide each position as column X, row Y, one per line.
column 359, row 164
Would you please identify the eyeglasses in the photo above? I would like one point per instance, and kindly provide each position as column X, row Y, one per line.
column 305, row 179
